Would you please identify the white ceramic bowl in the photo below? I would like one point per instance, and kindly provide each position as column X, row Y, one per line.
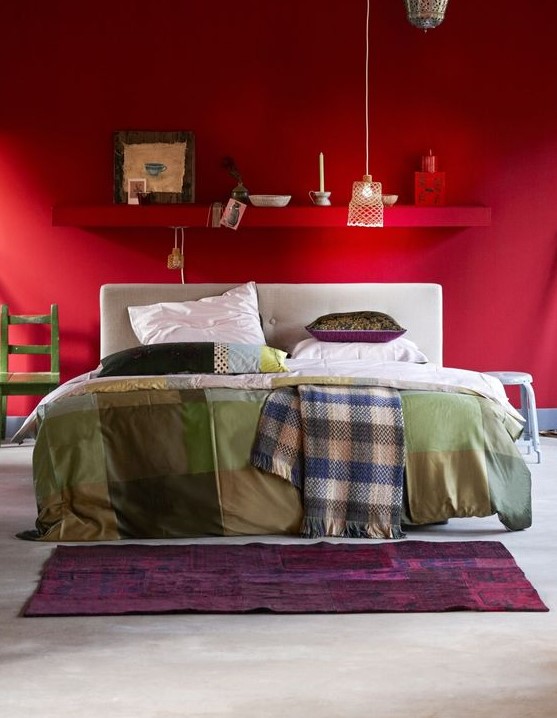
column 389, row 199
column 270, row 200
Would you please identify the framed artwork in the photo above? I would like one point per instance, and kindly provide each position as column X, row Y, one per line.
column 165, row 161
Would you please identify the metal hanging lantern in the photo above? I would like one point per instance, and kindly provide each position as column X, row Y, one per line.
column 426, row 14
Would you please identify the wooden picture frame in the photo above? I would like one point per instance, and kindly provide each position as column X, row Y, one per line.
column 165, row 160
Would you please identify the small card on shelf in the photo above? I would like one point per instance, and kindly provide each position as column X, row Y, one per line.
column 233, row 214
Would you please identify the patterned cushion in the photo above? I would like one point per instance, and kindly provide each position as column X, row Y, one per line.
column 364, row 326
column 194, row 358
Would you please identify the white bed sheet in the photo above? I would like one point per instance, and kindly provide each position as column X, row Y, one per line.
column 398, row 375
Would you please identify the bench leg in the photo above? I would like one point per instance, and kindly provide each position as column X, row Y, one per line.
column 528, row 407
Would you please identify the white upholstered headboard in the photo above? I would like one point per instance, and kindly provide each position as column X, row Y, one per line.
column 286, row 309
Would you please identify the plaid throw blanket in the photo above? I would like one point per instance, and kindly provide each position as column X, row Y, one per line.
column 343, row 447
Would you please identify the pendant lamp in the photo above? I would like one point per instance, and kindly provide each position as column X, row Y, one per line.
column 426, row 14
column 366, row 206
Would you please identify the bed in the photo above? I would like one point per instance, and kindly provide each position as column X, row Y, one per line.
column 200, row 421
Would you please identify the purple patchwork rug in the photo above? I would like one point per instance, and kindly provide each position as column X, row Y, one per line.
column 405, row 576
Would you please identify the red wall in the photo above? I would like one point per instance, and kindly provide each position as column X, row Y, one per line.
column 273, row 84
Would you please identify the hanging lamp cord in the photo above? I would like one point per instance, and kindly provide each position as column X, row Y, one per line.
column 367, row 88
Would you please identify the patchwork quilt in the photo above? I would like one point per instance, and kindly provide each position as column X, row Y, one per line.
column 157, row 458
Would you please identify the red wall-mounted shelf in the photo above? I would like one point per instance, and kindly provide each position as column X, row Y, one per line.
column 191, row 215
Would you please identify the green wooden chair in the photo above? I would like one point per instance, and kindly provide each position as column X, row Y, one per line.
column 28, row 383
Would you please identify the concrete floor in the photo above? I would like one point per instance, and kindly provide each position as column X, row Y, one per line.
column 454, row 665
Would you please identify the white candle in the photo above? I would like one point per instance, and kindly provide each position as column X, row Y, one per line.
column 321, row 173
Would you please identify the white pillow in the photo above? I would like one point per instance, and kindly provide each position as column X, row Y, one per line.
column 400, row 349
column 232, row 317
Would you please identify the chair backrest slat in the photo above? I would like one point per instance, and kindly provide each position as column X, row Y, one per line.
column 29, row 319
column 30, row 349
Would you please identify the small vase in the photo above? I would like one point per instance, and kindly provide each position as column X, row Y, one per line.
column 240, row 193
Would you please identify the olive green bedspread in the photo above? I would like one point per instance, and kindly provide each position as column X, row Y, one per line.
column 168, row 463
